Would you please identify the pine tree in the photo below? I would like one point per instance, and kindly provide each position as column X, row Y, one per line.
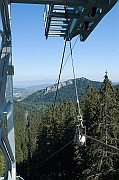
column 101, row 117
column 85, row 155
column 108, row 127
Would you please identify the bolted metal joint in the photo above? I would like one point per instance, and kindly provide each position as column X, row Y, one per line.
column 10, row 70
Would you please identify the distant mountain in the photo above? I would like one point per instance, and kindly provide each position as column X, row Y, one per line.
column 25, row 84
column 115, row 83
column 66, row 90
column 19, row 93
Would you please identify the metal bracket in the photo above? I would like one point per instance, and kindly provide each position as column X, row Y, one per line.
column 10, row 70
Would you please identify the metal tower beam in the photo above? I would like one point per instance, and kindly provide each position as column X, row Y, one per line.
column 69, row 21
column 58, row 2
column 7, row 141
column 5, row 18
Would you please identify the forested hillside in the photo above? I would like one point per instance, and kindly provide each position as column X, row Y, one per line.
column 45, row 149
column 66, row 90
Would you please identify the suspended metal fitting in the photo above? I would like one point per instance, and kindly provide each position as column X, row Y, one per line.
column 80, row 134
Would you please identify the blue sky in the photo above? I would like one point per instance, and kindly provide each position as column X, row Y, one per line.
column 36, row 58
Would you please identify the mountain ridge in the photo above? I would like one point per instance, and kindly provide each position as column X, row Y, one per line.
column 66, row 90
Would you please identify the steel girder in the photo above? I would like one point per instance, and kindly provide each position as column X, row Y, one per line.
column 7, row 142
column 79, row 16
column 5, row 18
column 69, row 21
column 61, row 2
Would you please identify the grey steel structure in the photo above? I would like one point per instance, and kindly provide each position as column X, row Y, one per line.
column 64, row 18
column 69, row 20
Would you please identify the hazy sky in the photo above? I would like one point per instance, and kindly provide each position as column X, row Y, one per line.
column 36, row 58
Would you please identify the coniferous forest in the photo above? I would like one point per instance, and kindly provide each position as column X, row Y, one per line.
column 45, row 149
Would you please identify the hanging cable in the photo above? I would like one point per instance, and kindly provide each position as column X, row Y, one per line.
column 60, row 72
column 74, row 79
column 88, row 137
column 103, row 144
column 69, row 55
column 68, row 58
column 70, row 52
column 53, row 154
column 78, row 37
column 57, row 151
